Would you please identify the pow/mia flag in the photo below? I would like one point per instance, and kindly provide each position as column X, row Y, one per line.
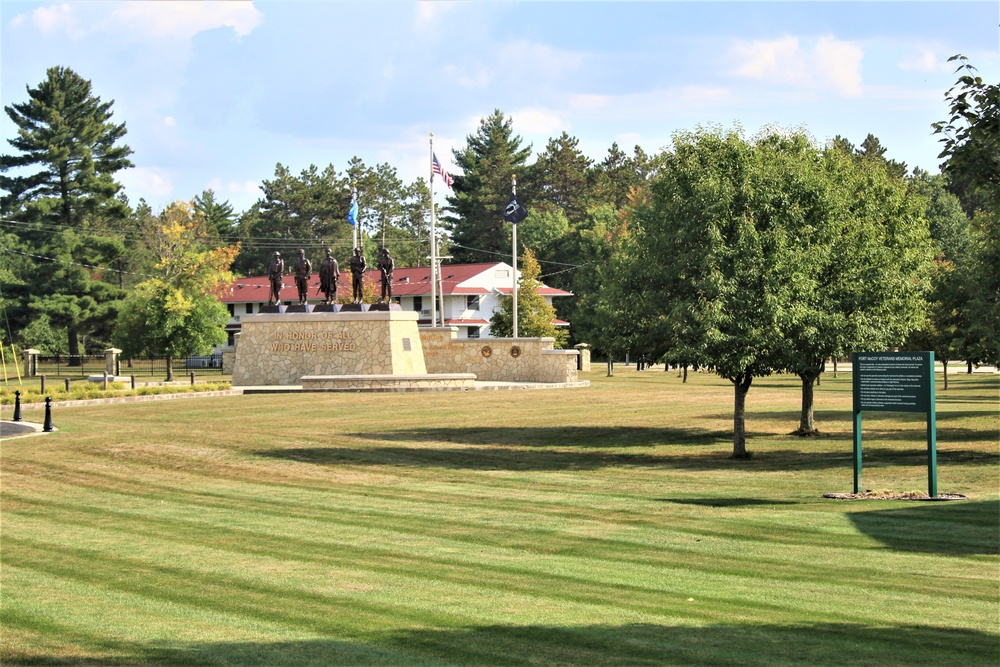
column 514, row 213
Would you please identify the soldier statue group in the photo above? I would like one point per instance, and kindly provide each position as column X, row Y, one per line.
column 329, row 275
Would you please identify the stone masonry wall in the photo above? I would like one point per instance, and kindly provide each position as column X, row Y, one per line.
column 498, row 359
column 278, row 349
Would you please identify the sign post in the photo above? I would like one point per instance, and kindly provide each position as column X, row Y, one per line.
column 895, row 382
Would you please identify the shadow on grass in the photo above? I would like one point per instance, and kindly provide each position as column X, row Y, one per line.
column 611, row 645
column 726, row 502
column 953, row 528
column 584, row 448
column 562, row 436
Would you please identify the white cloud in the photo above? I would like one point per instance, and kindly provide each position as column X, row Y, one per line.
column 186, row 19
column 841, row 63
column 830, row 63
column 478, row 78
column 428, row 10
column 537, row 121
column 234, row 187
column 138, row 21
column 520, row 62
column 52, row 19
column 149, row 181
column 925, row 61
column 647, row 105
column 169, row 121
column 587, row 102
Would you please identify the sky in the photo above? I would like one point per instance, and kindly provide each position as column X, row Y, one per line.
column 215, row 94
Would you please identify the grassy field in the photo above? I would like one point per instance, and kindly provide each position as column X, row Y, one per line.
column 598, row 526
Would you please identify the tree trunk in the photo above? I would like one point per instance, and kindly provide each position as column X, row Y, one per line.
column 170, row 368
column 685, row 373
column 969, row 371
column 742, row 386
column 611, row 367
column 807, row 424
column 835, row 368
column 944, row 365
column 74, row 346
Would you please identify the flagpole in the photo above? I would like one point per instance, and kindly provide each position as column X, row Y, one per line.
column 513, row 189
column 354, row 227
column 433, row 242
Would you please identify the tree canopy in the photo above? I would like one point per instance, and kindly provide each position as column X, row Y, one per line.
column 60, row 185
column 970, row 140
column 475, row 209
column 177, row 312
column 752, row 257
column 534, row 314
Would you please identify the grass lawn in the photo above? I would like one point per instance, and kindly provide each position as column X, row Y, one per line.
column 597, row 526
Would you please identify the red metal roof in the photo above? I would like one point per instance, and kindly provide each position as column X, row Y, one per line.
column 405, row 282
column 544, row 291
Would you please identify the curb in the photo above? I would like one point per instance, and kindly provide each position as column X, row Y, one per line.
column 133, row 399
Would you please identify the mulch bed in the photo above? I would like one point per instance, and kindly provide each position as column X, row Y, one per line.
column 886, row 494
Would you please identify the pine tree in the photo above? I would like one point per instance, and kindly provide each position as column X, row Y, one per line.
column 67, row 131
column 61, row 182
column 475, row 212
column 559, row 177
column 218, row 216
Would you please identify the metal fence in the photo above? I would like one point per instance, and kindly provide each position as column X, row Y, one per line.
column 70, row 365
column 94, row 364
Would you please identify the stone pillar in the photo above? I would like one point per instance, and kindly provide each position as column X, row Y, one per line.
column 583, row 362
column 30, row 365
column 111, row 360
column 229, row 355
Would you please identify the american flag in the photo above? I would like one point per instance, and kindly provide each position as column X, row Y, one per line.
column 437, row 169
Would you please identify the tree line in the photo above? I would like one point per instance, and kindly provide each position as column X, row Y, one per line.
column 794, row 250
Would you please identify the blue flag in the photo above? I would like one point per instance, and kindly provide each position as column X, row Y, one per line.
column 352, row 215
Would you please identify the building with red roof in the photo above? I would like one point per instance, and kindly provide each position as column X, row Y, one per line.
column 469, row 293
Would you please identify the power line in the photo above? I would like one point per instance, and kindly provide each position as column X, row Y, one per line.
column 503, row 254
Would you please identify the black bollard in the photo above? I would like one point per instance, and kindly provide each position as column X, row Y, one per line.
column 133, row 382
column 43, row 382
column 17, row 406
column 67, row 385
column 47, row 427
column 192, row 378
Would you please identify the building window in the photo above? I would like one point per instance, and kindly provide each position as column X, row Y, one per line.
column 502, row 273
column 230, row 340
column 473, row 332
column 232, row 309
column 472, row 302
column 249, row 309
column 418, row 303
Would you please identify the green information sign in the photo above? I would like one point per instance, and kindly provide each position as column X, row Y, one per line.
column 895, row 382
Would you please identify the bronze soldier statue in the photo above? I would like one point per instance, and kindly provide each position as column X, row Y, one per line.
column 274, row 273
column 303, row 272
column 385, row 267
column 358, row 266
column 329, row 274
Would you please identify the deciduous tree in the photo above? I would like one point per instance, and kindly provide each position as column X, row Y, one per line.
column 534, row 314
column 177, row 313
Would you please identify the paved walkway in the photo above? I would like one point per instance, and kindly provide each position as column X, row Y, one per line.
column 476, row 386
column 12, row 429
